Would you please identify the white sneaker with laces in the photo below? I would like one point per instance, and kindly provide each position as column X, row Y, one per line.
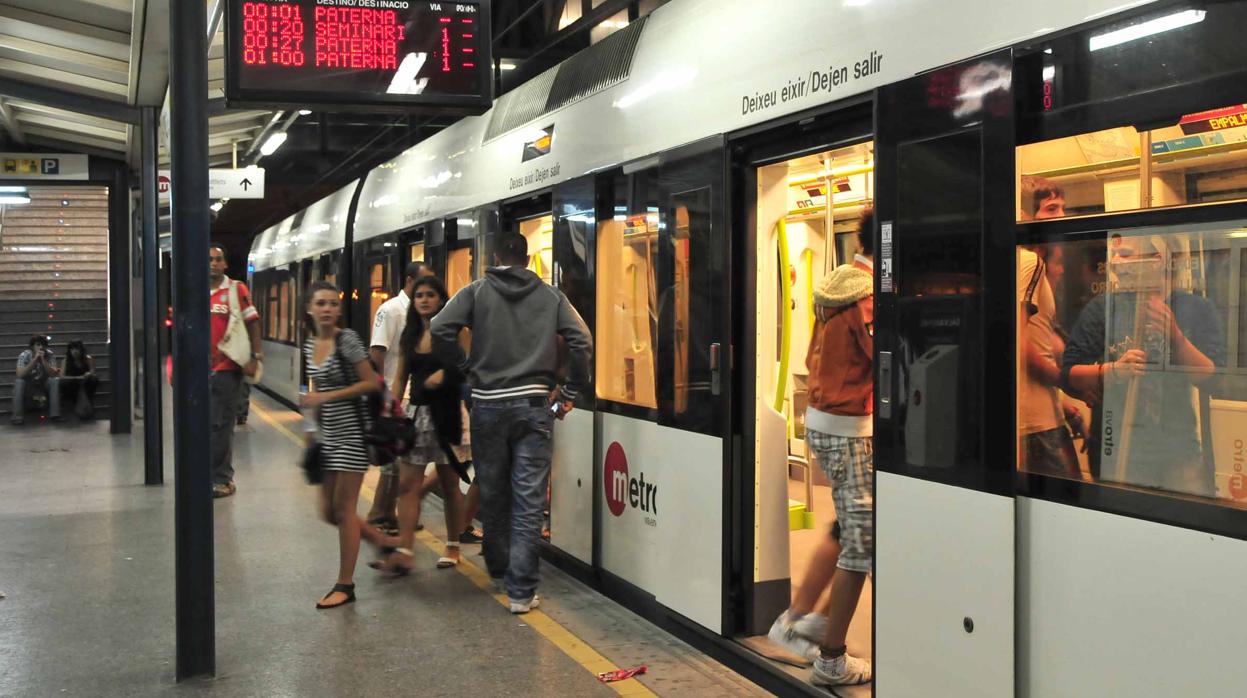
column 521, row 607
column 784, row 633
column 845, row 670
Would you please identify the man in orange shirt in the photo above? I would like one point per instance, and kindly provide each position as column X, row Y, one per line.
column 227, row 376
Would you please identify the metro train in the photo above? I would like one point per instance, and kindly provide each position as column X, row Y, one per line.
column 688, row 179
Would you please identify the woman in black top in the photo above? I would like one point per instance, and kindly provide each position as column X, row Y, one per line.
column 78, row 379
column 435, row 397
column 342, row 377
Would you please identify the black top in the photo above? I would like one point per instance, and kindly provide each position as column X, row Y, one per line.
column 442, row 401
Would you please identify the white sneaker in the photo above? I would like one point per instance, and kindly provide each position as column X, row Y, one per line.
column 812, row 626
column 521, row 607
column 845, row 670
column 784, row 633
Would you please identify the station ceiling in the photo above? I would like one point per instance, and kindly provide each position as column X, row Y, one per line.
column 73, row 74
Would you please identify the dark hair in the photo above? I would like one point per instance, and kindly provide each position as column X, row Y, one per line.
column 76, row 365
column 38, row 339
column 219, row 246
column 866, row 232
column 413, row 269
column 511, row 248
column 1036, row 190
column 312, row 289
column 413, row 331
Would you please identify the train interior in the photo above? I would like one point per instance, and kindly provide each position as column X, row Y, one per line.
column 809, row 210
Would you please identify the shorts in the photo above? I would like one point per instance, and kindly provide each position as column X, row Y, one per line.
column 848, row 463
column 426, row 449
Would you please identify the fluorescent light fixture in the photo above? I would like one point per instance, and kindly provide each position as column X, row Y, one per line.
column 272, row 143
column 506, row 66
column 217, row 206
column 14, row 199
column 305, row 112
column 12, row 190
column 1148, row 28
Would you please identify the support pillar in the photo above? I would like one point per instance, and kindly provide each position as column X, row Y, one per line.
column 153, row 411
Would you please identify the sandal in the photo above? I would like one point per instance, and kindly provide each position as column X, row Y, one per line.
column 395, row 569
column 348, row 589
column 446, row 561
column 383, row 554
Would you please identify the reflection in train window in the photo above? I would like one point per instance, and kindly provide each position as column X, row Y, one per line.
column 539, row 232
column 1202, row 158
column 627, row 313
column 1131, row 360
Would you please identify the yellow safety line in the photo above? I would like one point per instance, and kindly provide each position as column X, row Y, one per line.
column 575, row 648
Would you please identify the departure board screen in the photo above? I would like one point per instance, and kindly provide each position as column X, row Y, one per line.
column 348, row 55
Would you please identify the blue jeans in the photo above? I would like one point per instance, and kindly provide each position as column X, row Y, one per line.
column 24, row 391
column 511, row 449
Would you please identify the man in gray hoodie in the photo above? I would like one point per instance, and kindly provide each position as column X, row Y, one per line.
column 516, row 322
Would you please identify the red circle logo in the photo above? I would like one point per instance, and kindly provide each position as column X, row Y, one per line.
column 615, row 479
column 1238, row 486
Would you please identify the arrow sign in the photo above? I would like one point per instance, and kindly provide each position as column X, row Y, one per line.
column 223, row 183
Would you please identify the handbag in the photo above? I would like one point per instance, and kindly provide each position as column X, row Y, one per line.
column 313, row 463
column 388, row 433
column 236, row 343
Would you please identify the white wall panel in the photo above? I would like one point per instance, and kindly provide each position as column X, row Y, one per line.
column 1115, row 606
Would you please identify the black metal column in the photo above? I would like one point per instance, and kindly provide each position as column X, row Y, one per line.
column 153, row 410
column 188, row 143
column 120, row 409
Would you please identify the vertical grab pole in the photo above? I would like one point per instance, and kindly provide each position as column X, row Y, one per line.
column 153, row 411
column 194, row 573
column 785, row 316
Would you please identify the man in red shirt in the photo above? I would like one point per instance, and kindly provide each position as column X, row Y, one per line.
column 227, row 375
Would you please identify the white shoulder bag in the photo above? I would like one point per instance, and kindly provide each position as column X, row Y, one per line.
column 236, row 343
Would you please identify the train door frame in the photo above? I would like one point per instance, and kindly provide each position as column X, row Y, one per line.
column 840, row 124
column 381, row 250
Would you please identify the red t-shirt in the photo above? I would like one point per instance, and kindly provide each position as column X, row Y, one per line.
column 219, row 304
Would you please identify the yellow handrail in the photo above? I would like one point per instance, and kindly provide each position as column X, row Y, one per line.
column 808, row 256
column 785, row 321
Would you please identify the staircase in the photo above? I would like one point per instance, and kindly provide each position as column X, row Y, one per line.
column 54, row 280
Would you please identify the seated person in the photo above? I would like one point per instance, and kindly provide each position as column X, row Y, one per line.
column 78, row 380
column 36, row 385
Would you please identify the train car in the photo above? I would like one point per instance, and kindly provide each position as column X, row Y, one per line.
column 687, row 193
column 284, row 259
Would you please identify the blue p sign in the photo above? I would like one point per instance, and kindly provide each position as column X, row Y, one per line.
column 50, row 166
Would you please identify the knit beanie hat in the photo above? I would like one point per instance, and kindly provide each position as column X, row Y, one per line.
column 844, row 285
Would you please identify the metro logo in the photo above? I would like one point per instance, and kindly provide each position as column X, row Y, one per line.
column 622, row 490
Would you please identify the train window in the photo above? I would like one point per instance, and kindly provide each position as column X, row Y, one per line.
column 627, row 312
column 285, row 320
column 271, row 293
column 458, row 269
column 377, row 292
column 539, row 232
column 1200, row 159
column 415, row 253
column 1132, row 363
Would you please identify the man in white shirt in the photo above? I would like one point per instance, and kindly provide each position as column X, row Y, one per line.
column 387, row 330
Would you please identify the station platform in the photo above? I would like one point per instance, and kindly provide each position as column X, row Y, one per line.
column 88, row 555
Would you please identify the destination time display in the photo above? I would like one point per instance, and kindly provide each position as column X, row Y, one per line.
column 356, row 53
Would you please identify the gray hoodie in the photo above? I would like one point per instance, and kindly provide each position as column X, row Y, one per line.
column 516, row 320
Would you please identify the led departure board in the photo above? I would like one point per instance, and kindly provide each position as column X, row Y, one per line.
column 359, row 55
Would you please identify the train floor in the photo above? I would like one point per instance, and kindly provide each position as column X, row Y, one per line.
column 86, row 567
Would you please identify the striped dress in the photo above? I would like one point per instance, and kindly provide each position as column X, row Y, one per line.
column 340, row 422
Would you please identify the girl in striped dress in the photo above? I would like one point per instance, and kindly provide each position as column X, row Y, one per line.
column 338, row 365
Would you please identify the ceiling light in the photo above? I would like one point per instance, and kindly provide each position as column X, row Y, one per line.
column 1049, row 72
column 506, row 66
column 12, row 190
column 217, row 206
column 14, row 199
column 1148, row 28
column 273, row 142
column 305, row 112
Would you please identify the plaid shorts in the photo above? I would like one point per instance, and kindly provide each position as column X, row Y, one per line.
column 849, row 464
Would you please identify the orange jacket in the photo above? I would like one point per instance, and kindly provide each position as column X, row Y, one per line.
column 839, row 360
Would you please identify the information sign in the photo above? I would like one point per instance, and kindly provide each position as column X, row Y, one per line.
column 356, row 55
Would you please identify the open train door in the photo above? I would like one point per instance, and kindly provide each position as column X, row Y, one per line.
column 944, row 343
